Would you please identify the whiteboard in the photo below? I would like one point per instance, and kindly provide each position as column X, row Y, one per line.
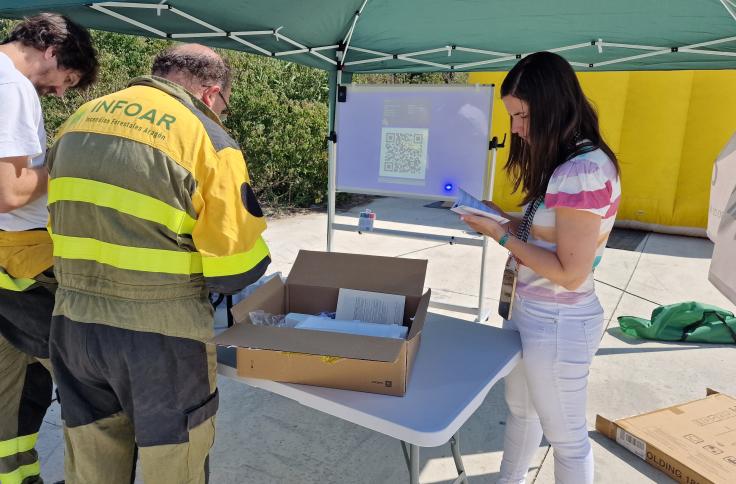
column 422, row 141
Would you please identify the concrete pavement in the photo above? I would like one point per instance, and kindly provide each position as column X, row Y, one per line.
column 264, row 438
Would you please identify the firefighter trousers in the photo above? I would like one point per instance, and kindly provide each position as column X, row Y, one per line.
column 25, row 381
column 120, row 389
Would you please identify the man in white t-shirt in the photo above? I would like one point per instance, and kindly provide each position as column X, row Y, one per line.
column 43, row 55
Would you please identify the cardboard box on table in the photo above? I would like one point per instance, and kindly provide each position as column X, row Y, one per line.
column 693, row 443
column 337, row 360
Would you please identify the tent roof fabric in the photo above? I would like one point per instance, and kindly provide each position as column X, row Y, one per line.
column 430, row 35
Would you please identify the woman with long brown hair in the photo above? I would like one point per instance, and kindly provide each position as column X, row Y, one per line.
column 569, row 178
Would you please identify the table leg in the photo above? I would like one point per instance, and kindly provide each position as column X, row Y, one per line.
column 411, row 456
column 414, row 467
column 228, row 310
column 412, row 461
column 457, row 456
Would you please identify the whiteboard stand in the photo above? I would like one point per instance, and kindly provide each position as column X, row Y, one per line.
column 481, row 312
column 338, row 94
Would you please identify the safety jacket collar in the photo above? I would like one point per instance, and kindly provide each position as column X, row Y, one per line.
column 177, row 91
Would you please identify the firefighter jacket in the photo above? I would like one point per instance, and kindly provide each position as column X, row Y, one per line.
column 150, row 208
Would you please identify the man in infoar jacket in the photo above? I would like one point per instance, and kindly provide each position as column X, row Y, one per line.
column 43, row 55
column 151, row 208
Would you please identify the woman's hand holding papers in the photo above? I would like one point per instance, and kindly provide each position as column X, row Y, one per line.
column 486, row 226
column 514, row 221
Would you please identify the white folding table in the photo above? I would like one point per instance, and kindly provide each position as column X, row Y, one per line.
column 457, row 364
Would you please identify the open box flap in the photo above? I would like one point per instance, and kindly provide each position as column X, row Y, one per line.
column 269, row 297
column 391, row 275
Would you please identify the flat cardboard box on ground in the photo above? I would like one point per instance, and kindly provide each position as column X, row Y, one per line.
column 322, row 358
column 693, row 443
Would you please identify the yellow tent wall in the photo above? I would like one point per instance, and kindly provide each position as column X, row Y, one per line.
column 666, row 128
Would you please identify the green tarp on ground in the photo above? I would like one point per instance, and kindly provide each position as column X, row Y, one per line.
column 692, row 322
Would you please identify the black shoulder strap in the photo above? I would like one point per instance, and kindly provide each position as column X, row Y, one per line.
column 582, row 148
column 522, row 232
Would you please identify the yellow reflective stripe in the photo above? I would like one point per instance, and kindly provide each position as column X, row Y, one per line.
column 12, row 284
column 125, row 257
column 17, row 476
column 17, row 445
column 237, row 263
column 122, row 200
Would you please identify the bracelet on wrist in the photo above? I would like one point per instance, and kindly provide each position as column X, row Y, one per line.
column 504, row 239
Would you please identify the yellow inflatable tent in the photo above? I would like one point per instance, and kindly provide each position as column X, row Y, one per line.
column 667, row 129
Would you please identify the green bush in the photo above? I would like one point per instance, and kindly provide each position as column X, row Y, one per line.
column 279, row 114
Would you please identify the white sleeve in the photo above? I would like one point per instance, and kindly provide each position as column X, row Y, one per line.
column 19, row 122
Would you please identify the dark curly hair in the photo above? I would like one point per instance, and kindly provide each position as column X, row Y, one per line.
column 71, row 42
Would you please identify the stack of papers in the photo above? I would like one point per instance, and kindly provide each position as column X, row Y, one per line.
column 467, row 204
column 359, row 312
column 370, row 307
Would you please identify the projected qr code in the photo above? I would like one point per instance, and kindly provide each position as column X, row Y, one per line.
column 404, row 153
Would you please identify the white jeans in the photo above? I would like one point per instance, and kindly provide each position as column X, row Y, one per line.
column 547, row 391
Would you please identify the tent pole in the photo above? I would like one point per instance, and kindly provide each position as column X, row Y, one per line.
column 331, row 155
column 483, row 312
column 730, row 9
